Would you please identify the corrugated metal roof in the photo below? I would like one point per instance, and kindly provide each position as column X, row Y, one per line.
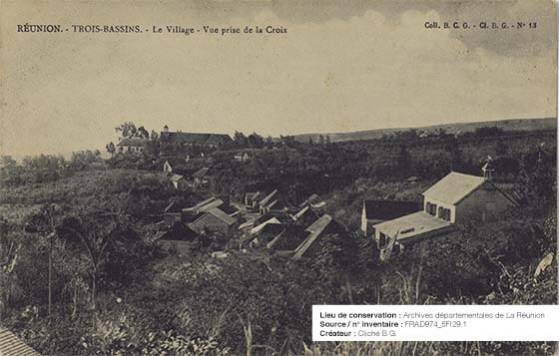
column 454, row 187
column 11, row 345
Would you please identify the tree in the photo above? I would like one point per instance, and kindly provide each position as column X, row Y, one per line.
column 45, row 222
column 255, row 140
column 403, row 160
column 111, row 148
column 83, row 159
column 142, row 133
column 240, row 139
column 269, row 142
column 456, row 160
column 127, row 130
column 92, row 231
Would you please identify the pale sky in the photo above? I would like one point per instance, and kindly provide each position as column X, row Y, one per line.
column 342, row 66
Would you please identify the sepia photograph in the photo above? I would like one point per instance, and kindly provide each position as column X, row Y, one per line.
column 192, row 177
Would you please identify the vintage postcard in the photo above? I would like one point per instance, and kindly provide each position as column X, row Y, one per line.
column 268, row 177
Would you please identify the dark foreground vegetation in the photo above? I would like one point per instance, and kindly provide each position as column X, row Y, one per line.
column 115, row 292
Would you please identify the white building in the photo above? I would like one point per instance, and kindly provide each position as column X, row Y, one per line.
column 455, row 199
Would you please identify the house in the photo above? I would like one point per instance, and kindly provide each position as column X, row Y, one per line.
column 214, row 220
column 187, row 139
column 260, row 227
column 268, row 202
column 132, row 145
column 305, row 216
column 377, row 211
column 325, row 224
column 200, row 177
column 251, row 199
column 263, row 232
column 176, row 238
column 241, row 157
column 455, row 199
column 11, row 345
column 178, row 181
column 392, row 235
column 167, row 168
column 313, row 198
column 203, row 206
column 289, row 239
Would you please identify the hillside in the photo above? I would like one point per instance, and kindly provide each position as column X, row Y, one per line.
column 508, row 125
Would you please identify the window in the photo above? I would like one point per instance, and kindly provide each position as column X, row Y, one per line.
column 431, row 208
column 444, row 213
column 382, row 240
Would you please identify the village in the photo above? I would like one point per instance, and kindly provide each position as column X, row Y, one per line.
column 180, row 232
column 268, row 221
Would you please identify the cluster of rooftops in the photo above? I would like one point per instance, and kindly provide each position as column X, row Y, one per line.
column 261, row 220
column 267, row 219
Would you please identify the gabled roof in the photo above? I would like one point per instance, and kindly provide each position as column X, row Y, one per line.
column 268, row 197
column 300, row 213
column 11, row 345
column 388, row 209
column 205, row 205
column 315, row 230
column 221, row 215
column 454, row 187
column 252, row 195
column 201, row 172
column 195, row 138
column 173, row 207
column 176, row 232
column 260, row 227
column 320, row 224
column 176, row 177
column 311, row 199
column 211, row 205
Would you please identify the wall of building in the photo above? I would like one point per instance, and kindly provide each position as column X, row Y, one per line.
column 210, row 223
column 438, row 203
column 483, row 204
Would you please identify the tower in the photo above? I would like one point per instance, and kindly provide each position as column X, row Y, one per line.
column 488, row 169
